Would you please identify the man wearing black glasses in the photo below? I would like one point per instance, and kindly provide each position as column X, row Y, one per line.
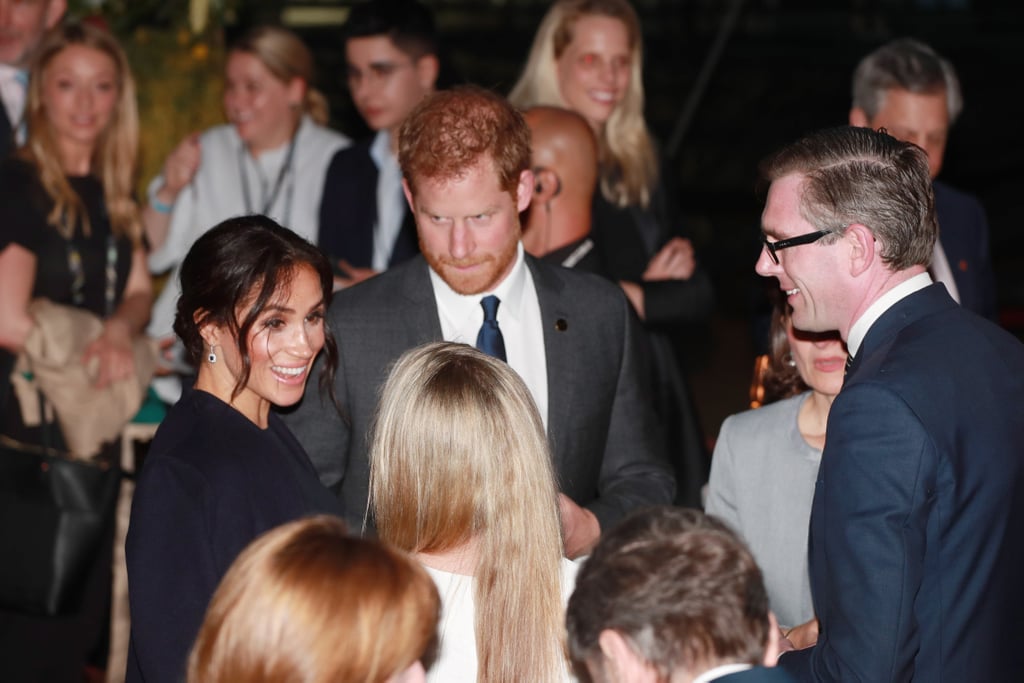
column 915, row 555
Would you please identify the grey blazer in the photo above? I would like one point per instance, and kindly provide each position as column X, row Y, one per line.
column 607, row 447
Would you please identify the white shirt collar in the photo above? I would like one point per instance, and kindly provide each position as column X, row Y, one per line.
column 720, row 671
column 380, row 149
column 882, row 304
column 509, row 291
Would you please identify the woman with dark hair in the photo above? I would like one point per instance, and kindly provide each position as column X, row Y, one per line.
column 223, row 468
column 270, row 158
column 766, row 461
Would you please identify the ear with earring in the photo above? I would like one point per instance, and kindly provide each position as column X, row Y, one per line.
column 788, row 359
column 212, row 356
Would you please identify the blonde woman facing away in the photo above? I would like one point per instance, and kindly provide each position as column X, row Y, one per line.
column 307, row 603
column 461, row 477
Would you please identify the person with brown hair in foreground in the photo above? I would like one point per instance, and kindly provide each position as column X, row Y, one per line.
column 307, row 603
column 672, row 594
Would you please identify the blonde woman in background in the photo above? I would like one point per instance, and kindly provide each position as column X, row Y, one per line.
column 270, row 158
column 587, row 56
column 461, row 477
column 70, row 232
column 307, row 603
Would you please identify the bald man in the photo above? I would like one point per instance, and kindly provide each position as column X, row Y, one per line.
column 556, row 228
column 564, row 160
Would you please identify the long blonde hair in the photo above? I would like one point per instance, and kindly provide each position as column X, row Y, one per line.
column 115, row 156
column 305, row 602
column 287, row 57
column 629, row 167
column 459, row 454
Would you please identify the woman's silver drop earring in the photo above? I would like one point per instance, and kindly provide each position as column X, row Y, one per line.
column 212, row 357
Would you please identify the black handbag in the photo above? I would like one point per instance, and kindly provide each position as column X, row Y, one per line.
column 53, row 514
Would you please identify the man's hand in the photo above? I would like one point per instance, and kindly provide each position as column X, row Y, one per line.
column 580, row 527
column 804, row 635
column 674, row 261
column 355, row 275
column 181, row 166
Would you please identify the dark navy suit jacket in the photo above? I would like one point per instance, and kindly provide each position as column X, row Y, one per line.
column 917, row 527
column 758, row 674
column 348, row 211
column 6, row 133
column 964, row 234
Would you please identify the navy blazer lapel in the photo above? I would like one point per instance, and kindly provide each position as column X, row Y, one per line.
column 561, row 353
column 6, row 133
column 906, row 311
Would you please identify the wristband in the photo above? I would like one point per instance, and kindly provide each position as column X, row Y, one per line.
column 159, row 206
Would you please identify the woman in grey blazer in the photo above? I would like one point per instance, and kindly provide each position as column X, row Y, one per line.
column 766, row 461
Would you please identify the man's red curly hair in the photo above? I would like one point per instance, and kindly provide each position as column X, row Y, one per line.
column 452, row 130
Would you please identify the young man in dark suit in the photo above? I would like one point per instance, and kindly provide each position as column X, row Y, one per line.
column 391, row 56
column 465, row 157
column 913, row 93
column 915, row 541
column 671, row 594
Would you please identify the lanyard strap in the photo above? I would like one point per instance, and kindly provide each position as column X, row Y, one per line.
column 78, row 274
column 283, row 172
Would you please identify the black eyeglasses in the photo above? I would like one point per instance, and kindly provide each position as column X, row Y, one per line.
column 809, row 238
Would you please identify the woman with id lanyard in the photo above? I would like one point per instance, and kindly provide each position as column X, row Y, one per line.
column 270, row 158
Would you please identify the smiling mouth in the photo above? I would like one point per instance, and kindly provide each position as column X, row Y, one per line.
column 289, row 373
column 791, row 292
column 603, row 96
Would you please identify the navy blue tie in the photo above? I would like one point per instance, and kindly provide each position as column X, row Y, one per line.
column 489, row 340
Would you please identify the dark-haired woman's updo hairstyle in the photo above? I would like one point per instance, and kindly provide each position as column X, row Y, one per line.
column 230, row 275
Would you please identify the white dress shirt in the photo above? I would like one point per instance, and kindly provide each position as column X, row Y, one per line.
column 518, row 318
column 901, row 291
column 720, row 671
column 941, row 272
column 13, row 89
column 390, row 200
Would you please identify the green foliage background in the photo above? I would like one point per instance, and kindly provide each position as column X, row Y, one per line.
column 176, row 52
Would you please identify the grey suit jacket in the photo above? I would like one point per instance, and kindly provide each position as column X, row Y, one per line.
column 607, row 447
